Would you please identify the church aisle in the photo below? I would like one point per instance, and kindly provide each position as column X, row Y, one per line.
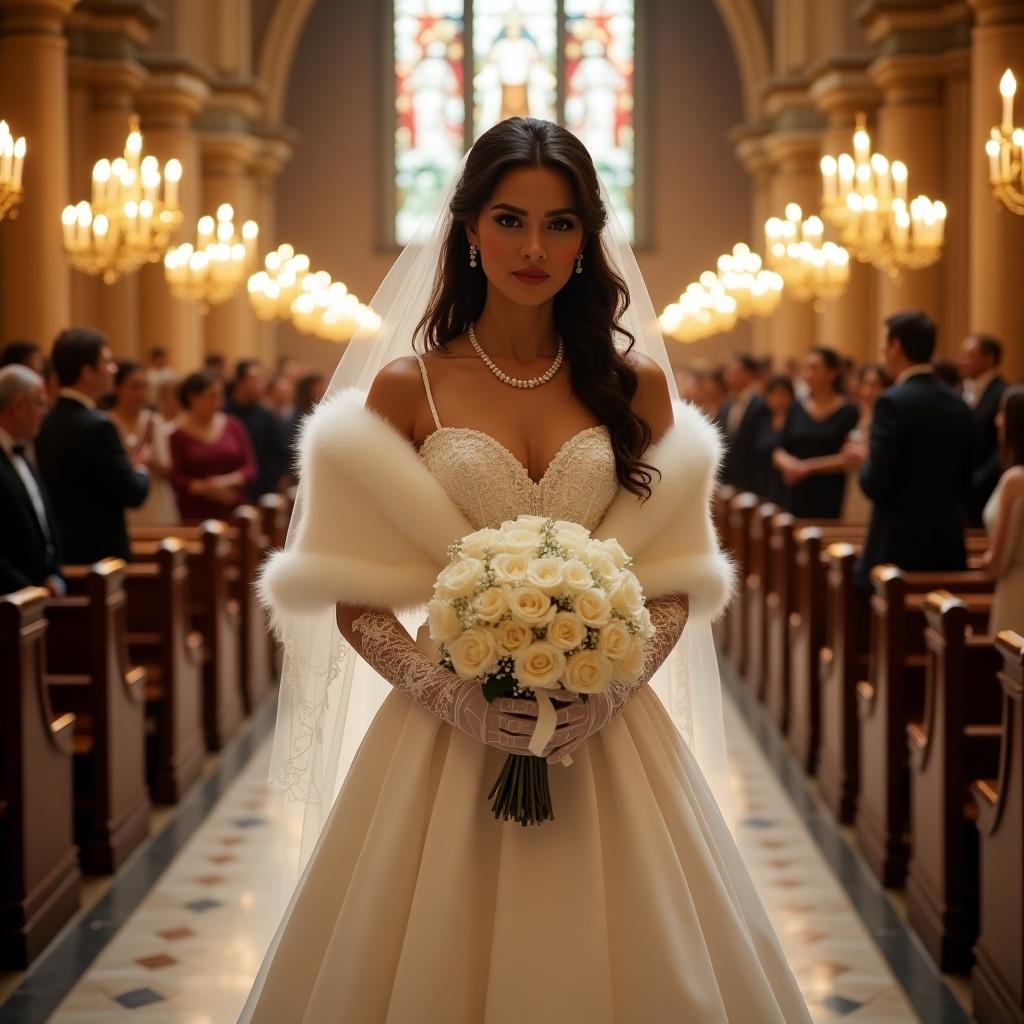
column 188, row 953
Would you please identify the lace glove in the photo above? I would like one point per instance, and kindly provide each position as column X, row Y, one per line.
column 506, row 723
column 669, row 615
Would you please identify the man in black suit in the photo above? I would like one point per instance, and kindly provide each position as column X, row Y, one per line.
column 740, row 415
column 980, row 359
column 82, row 461
column 29, row 545
column 268, row 434
column 918, row 468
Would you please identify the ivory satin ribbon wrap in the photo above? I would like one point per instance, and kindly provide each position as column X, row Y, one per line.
column 546, row 722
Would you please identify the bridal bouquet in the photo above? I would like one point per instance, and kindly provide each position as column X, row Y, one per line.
column 536, row 608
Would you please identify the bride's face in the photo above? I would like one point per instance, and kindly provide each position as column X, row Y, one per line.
column 529, row 235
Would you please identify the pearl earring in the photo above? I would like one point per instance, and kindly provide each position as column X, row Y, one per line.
column 472, row 254
column 579, row 264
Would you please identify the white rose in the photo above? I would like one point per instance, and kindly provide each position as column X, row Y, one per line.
column 614, row 640
column 564, row 526
column 626, row 595
column 617, row 552
column 491, row 604
column 592, row 607
column 460, row 578
column 443, row 621
column 512, row 636
column 575, row 550
column 545, row 574
column 521, row 540
column 474, row 652
column 537, row 521
column 630, row 666
column 600, row 561
column 540, row 666
column 510, row 568
column 530, row 606
column 647, row 627
column 576, row 575
column 474, row 544
column 566, row 631
column 587, row 672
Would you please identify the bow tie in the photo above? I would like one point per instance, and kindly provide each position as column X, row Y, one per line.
column 18, row 449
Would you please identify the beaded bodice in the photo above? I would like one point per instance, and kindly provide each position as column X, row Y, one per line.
column 489, row 484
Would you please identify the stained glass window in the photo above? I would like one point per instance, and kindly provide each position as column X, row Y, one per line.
column 459, row 69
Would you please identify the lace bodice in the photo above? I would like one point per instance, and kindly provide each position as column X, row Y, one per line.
column 489, row 484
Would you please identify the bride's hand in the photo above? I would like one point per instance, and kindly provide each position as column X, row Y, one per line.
column 595, row 714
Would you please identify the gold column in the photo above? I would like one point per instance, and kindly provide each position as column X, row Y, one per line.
column 35, row 301
column 231, row 329
column 751, row 153
column 849, row 324
column 910, row 128
column 103, row 94
column 273, row 155
column 795, row 156
column 168, row 106
column 997, row 235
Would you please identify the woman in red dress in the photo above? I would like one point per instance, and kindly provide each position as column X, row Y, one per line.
column 212, row 460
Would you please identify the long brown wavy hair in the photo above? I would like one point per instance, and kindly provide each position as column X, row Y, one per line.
column 586, row 310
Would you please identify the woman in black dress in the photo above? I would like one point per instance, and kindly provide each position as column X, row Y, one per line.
column 778, row 405
column 810, row 457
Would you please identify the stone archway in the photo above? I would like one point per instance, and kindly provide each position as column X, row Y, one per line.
column 740, row 17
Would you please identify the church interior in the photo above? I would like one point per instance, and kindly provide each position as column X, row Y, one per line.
column 210, row 192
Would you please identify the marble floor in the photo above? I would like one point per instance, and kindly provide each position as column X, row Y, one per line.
column 189, row 950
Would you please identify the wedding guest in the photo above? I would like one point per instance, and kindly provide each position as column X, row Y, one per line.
column 946, row 371
column 308, row 393
column 1004, row 518
column 158, row 361
column 212, row 461
column 23, row 353
column 779, row 399
column 711, row 396
column 981, row 357
column 145, row 438
column 740, row 415
column 216, row 364
column 269, row 436
column 871, row 381
column 89, row 477
column 29, row 542
column 280, row 398
column 918, row 469
column 810, row 456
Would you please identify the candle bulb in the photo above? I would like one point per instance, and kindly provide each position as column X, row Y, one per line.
column 992, row 148
column 1008, row 88
column 19, row 162
column 829, row 172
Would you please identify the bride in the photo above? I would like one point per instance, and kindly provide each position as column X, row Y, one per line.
column 542, row 388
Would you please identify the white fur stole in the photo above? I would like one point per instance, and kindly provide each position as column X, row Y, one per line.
column 375, row 524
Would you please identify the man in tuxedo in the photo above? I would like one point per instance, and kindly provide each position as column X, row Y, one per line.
column 82, row 461
column 980, row 359
column 268, row 434
column 29, row 546
column 918, row 468
column 740, row 415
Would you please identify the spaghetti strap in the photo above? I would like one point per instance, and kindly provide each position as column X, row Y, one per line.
column 426, row 387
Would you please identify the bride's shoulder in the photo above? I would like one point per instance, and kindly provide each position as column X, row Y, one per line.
column 396, row 393
column 652, row 401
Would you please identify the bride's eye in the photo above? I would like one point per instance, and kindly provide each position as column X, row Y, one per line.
column 563, row 224
column 502, row 217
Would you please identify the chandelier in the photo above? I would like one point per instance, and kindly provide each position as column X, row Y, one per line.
column 1005, row 150
column 213, row 270
column 132, row 217
column 287, row 289
column 12, row 161
column 865, row 199
column 757, row 291
column 811, row 268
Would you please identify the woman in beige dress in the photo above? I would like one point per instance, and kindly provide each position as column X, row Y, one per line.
column 144, row 434
column 1004, row 519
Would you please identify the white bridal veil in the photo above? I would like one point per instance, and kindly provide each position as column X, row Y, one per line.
column 328, row 695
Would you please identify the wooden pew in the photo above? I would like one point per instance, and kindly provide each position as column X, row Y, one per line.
column 216, row 616
column 997, row 981
column 160, row 638
column 89, row 674
column 890, row 698
column 842, row 664
column 758, row 585
column 246, row 549
column 741, row 509
column 275, row 514
column 956, row 742
column 40, row 883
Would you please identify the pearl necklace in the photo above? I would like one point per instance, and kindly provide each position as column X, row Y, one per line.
column 515, row 382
